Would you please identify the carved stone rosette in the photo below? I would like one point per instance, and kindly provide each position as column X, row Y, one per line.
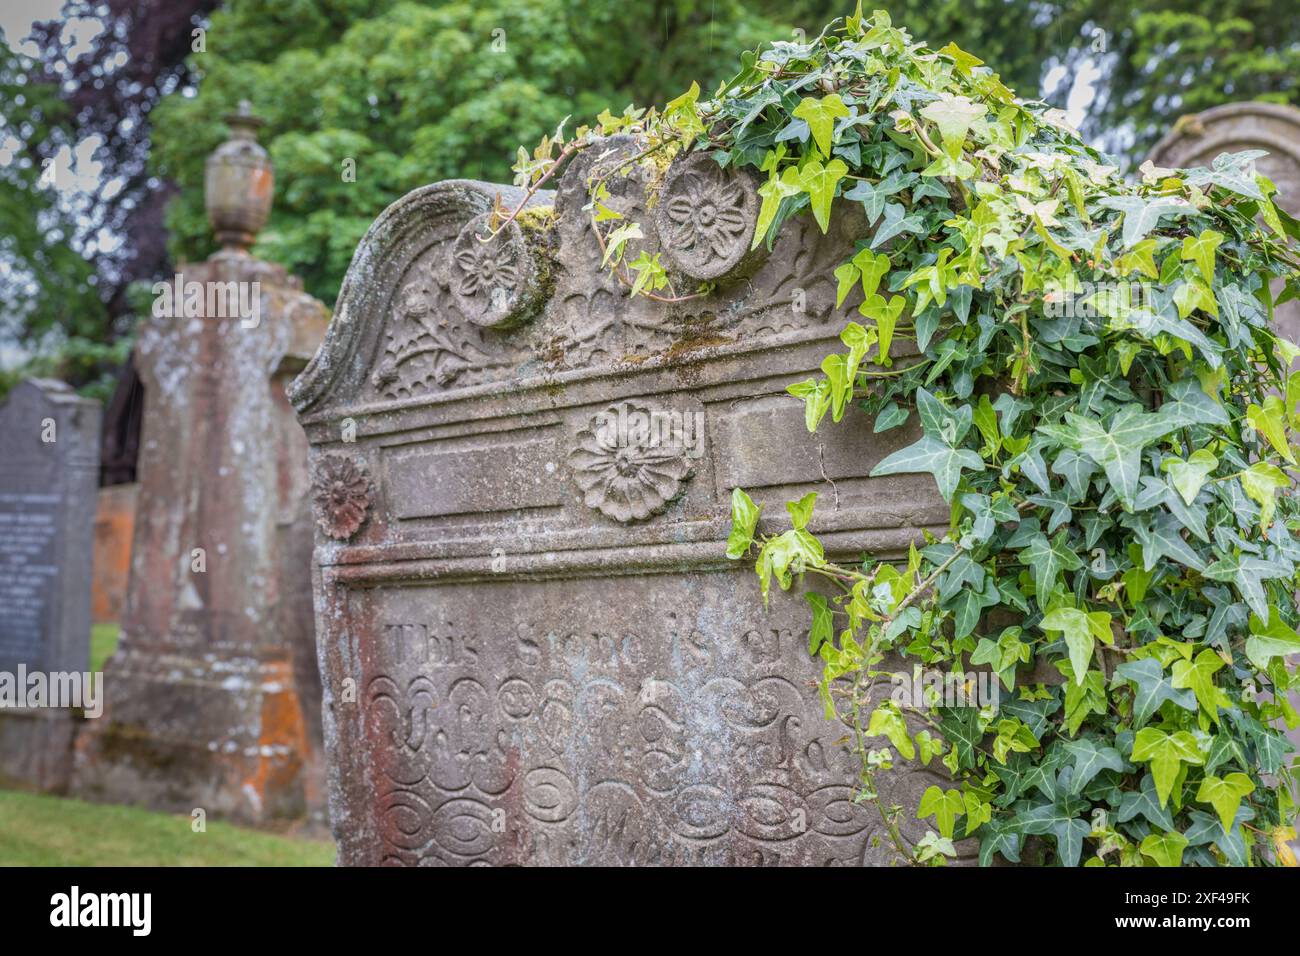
column 630, row 463
column 706, row 218
column 496, row 282
column 341, row 495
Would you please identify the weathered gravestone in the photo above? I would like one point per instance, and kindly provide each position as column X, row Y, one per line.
column 48, row 478
column 1199, row 139
column 533, row 647
column 213, row 694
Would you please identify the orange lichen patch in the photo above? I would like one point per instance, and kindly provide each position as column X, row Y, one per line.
column 282, row 740
column 114, row 524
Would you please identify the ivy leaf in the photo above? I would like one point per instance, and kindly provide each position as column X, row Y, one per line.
column 1206, row 828
column 1188, row 404
column 1161, row 537
column 1198, row 677
column 1267, row 642
column 1201, row 250
column 819, row 183
column 873, row 196
column 938, row 421
column 886, row 721
column 891, row 416
column 1165, row 848
column 954, row 115
column 1167, row 753
column 823, row 623
column 1152, row 689
column 773, row 191
column 929, row 454
column 960, row 727
column 1232, row 171
column 801, row 511
column 1047, row 559
column 1079, row 628
column 998, row 836
column 1067, row 828
column 885, row 315
column 1225, row 795
column 1270, row 421
column 744, row 519
column 1090, row 760
column 1142, row 215
column 1261, row 482
column 1189, row 476
column 896, row 220
column 820, row 115
column 1144, row 802
column 1118, row 446
column 1248, row 573
column 785, row 555
column 873, row 267
column 945, row 807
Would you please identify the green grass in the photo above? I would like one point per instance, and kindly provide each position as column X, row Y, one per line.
column 40, row 830
column 103, row 642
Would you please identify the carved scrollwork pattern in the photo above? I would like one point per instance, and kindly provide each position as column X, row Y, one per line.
column 431, row 345
column 569, row 746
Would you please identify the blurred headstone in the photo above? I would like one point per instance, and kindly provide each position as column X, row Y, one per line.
column 213, row 694
column 49, row 474
column 1199, row 138
column 1236, row 127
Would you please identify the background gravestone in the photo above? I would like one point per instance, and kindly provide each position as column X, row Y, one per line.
column 533, row 647
column 1199, row 138
column 48, row 478
column 213, row 696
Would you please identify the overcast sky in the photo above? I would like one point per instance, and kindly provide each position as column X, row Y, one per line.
column 17, row 16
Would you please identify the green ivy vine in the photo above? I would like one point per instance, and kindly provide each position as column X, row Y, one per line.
column 1103, row 401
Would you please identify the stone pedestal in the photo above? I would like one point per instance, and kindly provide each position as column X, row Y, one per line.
column 213, row 694
column 48, row 476
column 533, row 646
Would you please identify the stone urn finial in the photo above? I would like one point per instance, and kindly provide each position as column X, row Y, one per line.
column 239, row 183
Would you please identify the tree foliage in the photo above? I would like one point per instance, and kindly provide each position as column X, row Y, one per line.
column 1102, row 401
column 411, row 93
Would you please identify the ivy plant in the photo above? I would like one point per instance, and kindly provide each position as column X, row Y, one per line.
column 1102, row 399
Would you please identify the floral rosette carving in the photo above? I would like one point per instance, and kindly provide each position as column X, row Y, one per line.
column 341, row 496
column 494, row 279
column 706, row 218
column 630, row 463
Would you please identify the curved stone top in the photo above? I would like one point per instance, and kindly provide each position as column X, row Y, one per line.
column 433, row 303
column 1197, row 138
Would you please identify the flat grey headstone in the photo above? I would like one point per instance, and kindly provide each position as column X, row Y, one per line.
column 49, row 475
